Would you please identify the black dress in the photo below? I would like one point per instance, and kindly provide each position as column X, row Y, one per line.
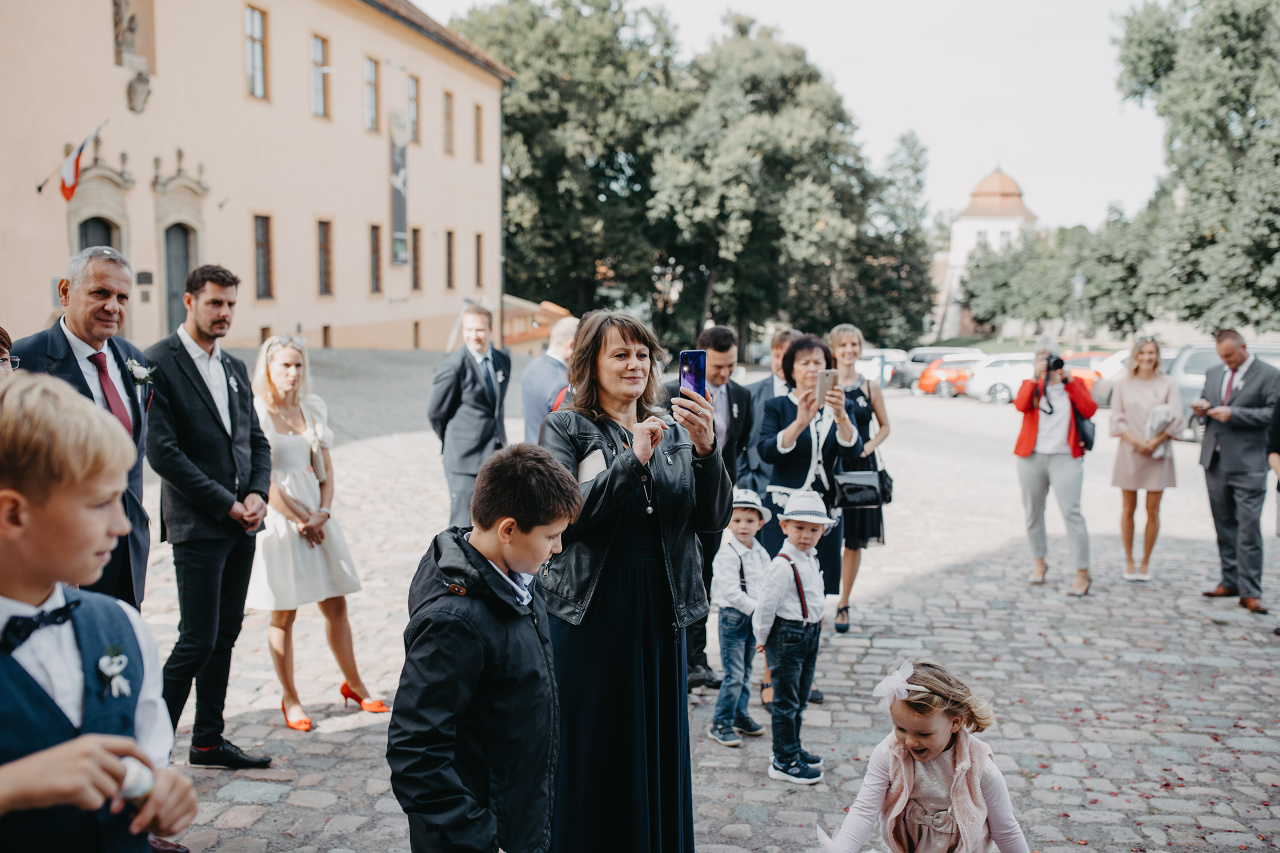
column 624, row 782
column 862, row 526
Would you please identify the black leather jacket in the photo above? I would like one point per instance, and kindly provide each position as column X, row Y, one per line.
column 690, row 495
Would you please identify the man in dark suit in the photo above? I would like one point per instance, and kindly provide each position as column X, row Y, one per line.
column 215, row 464
column 84, row 348
column 1237, row 404
column 466, row 409
column 732, row 416
column 546, row 376
column 754, row 472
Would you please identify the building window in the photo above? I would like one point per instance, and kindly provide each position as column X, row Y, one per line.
column 326, row 337
column 319, row 76
column 982, row 238
column 413, row 110
column 479, row 134
column 375, row 259
column 262, row 255
column 416, row 258
column 255, row 51
column 479, row 261
column 324, row 259
column 448, row 122
column 448, row 260
column 370, row 94
column 1006, row 239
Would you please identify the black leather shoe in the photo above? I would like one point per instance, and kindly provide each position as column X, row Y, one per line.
column 227, row 755
column 164, row 845
column 697, row 676
column 815, row 696
column 1277, row 631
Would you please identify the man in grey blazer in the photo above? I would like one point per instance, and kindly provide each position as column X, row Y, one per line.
column 1237, row 405
column 214, row 464
column 466, row 409
column 546, row 376
column 753, row 472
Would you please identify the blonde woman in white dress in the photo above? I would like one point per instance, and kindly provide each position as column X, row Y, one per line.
column 301, row 556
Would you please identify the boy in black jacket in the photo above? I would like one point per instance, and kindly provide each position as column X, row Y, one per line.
column 473, row 737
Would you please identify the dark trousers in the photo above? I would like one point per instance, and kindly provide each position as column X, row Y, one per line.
column 213, row 579
column 117, row 576
column 460, row 488
column 792, row 653
column 696, row 634
column 1236, row 502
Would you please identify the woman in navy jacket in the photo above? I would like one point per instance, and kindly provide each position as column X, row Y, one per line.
column 806, row 440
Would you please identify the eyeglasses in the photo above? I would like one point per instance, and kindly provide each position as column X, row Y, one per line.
column 9, row 361
column 290, row 340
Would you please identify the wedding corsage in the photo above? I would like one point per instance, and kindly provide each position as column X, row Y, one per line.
column 110, row 666
column 235, row 386
column 140, row 375
column 502, row 377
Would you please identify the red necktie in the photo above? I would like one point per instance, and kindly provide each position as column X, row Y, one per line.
column 1226, row 395
column 114, row 403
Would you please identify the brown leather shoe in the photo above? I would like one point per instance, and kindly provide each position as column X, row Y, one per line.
column 163, row 845
column 1253, row 605
column 1221, row 591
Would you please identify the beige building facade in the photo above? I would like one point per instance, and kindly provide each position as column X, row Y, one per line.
column 272, row 137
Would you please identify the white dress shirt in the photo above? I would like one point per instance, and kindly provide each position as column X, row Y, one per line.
column 51, row 656
column 720, row 411
column 726, row 582
column 779, row 599
column 1052, row 427
column 1235, row 383
column 520, row 587
column 485, row 360
column 209, row 366
column 82, row 351
column 780, row 387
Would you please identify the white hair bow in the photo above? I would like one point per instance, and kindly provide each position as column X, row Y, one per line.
column 896, row 686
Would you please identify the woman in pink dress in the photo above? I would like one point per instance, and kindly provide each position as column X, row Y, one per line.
column 1146, row 414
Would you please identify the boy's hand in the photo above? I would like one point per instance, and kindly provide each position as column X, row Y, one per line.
column 760, row 647
column 170, row 808
column 84, row 772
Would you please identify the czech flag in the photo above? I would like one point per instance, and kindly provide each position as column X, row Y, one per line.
column 71, row 167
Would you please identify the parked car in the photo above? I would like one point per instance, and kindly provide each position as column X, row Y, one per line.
column 919, row 358
column 997, row 378
column 949, row 375
column 869, row 363
column 1114, row 366
column 1191, row 364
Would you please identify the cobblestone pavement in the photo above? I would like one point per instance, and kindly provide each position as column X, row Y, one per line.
column 1139, row 718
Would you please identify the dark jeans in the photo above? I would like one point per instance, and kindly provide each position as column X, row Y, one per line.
column 460, row 488
column 737, row 650
column 696, row 634
column 792, row 652
column 213, row 579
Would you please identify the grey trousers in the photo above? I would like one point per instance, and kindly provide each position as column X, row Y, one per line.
column 1065, row 473
column 460, row 488
column 1236, row 502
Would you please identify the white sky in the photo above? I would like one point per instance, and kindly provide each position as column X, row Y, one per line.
column 1023, row 84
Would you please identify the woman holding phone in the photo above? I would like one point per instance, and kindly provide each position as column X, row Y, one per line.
column 806, row 435
column 623, row 589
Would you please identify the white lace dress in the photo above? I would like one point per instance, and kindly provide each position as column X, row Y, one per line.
column 287, row 572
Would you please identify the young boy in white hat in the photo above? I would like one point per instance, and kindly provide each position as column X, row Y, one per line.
column 737, row 570
column 788, row 621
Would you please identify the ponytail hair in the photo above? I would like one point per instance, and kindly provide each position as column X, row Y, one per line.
column 948, row 694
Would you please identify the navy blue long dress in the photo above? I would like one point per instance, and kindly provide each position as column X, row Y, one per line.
column 624, row 782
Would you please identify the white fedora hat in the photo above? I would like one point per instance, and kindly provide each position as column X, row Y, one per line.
column 747, row 499
column 807, row 506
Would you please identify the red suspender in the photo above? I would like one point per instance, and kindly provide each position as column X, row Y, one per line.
column 804, row 607
column 742, row 575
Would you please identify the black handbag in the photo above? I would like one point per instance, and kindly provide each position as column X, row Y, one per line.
column 1085, row 429
column 863, row 489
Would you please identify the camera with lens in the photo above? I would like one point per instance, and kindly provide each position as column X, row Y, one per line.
column 1056, row 362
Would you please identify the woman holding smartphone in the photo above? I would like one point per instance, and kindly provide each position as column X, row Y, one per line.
column 806, row 436
column 862, row 527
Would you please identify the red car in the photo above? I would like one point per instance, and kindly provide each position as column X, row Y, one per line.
column 946, row 376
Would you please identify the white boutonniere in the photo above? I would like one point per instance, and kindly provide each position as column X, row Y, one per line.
column 110, row 667
column 235, row 386
column 735, row 411
column 502, row 377
column 140, row 375
column 862, row 401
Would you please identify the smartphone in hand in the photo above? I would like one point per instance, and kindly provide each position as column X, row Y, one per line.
column 693, row 371
column 826, row 382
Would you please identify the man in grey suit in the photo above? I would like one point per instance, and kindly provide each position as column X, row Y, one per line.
column 1237, row 405
column 467, row 407
column 753, row 472
column 546, row 376
column 214, row 464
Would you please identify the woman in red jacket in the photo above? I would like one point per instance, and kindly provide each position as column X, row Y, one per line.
column 1050, row 453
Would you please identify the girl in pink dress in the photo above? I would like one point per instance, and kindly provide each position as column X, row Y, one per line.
column 1146, row 414
column 932, row 785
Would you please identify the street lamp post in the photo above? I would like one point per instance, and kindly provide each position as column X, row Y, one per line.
column 1077, row 290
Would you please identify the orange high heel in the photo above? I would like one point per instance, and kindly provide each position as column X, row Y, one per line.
column 373, row 706
column 300, row 725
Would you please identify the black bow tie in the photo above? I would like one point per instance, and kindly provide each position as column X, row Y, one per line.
column 20, row 628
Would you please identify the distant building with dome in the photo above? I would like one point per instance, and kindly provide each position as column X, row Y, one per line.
column 996, row 217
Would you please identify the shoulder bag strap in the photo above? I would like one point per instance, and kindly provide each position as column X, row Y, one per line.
column 795, row 571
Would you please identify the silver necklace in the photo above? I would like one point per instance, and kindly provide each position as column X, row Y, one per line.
column 648, row 499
